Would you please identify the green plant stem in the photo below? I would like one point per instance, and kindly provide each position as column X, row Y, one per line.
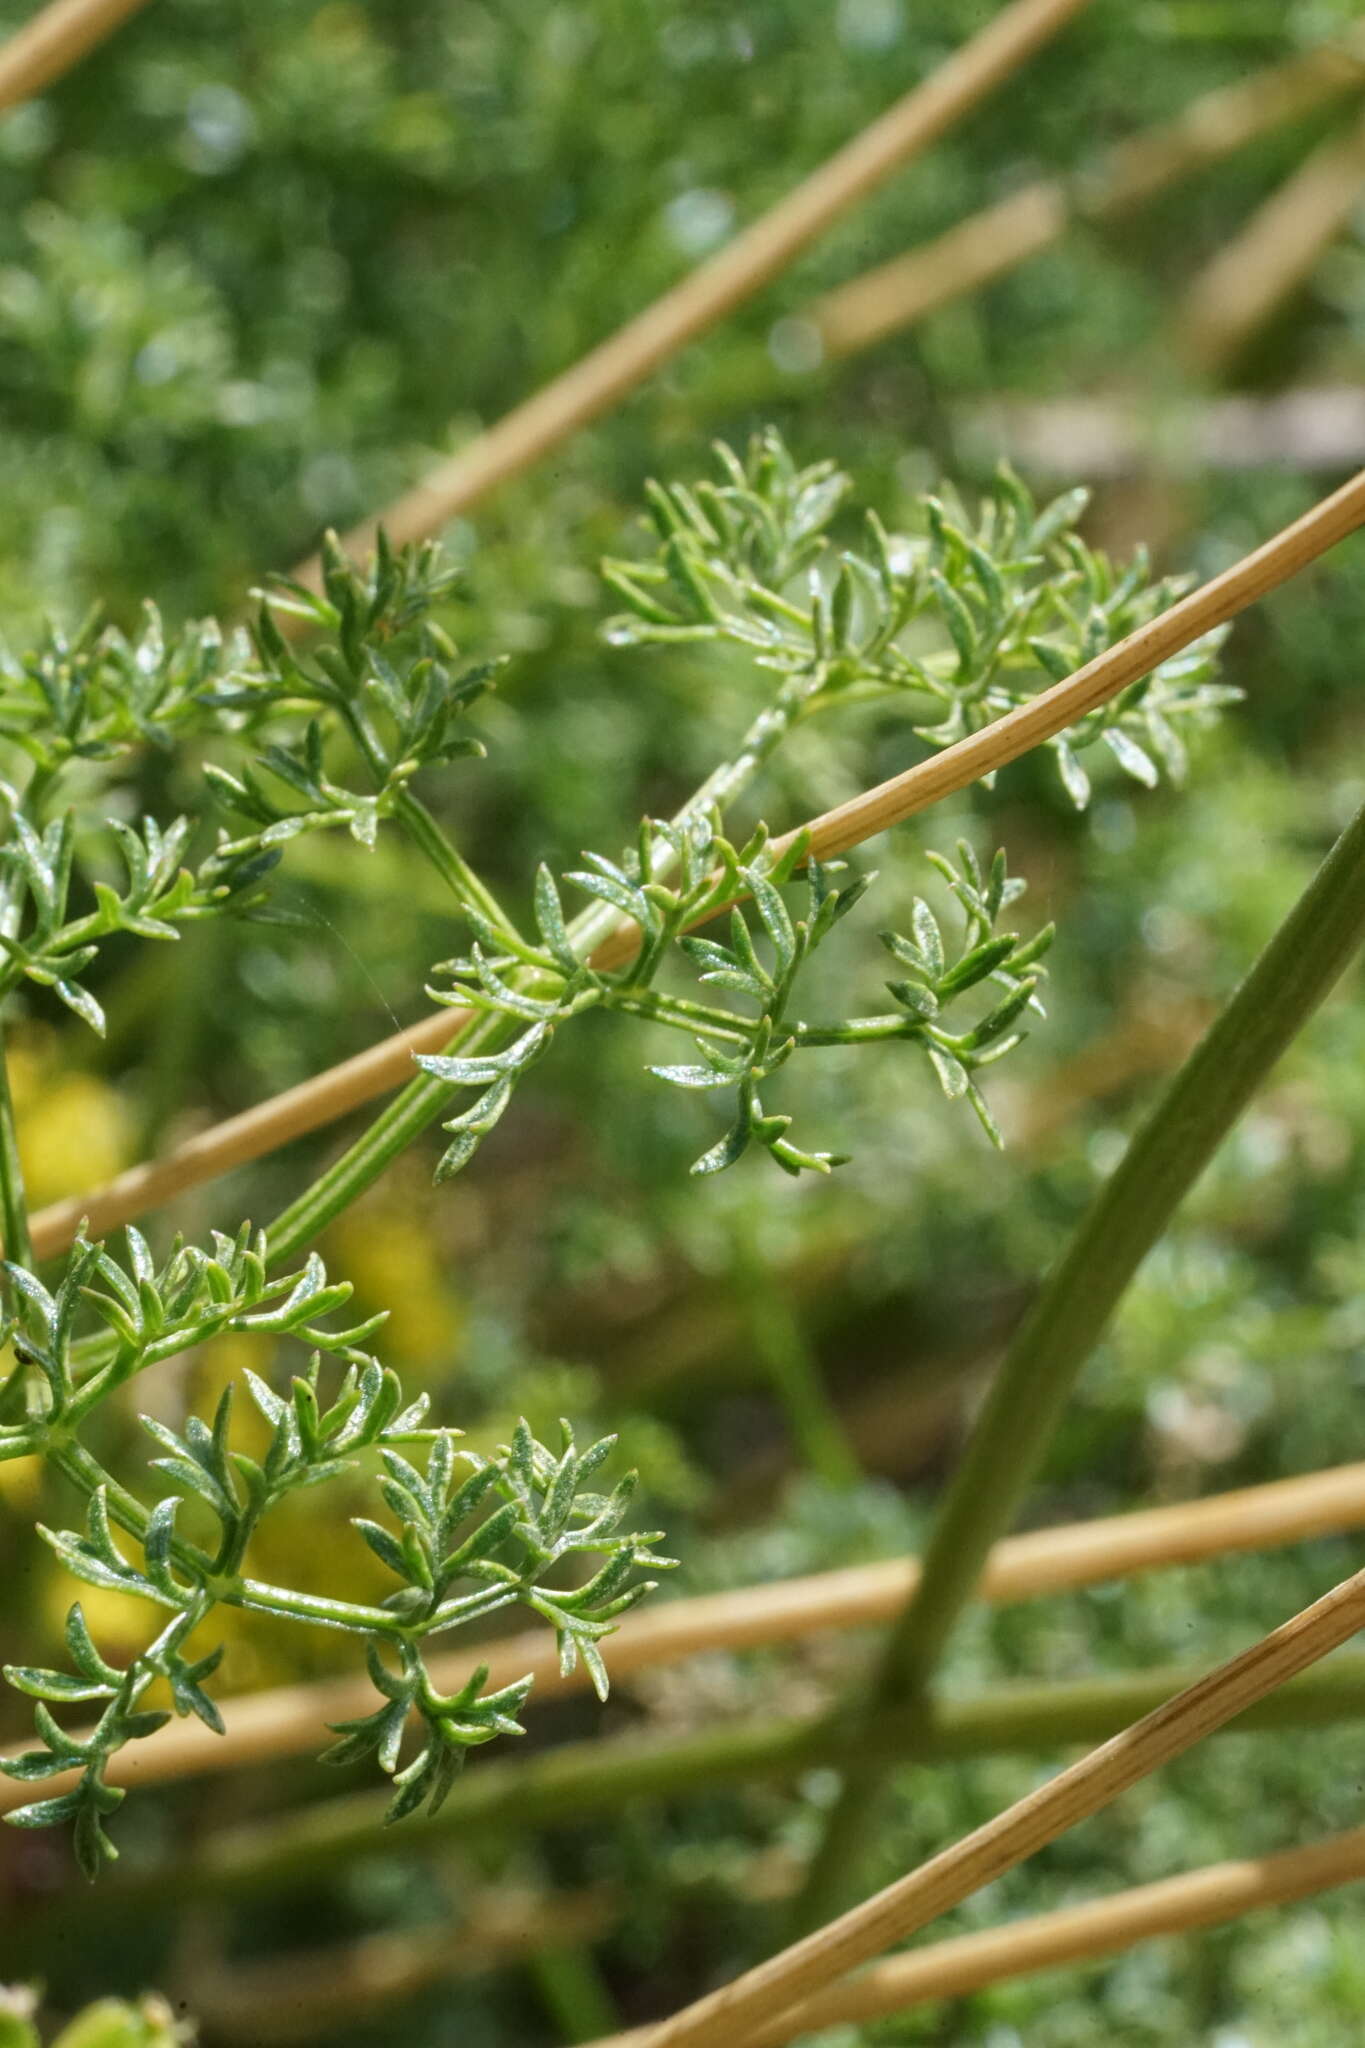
column 13, row 1206
column 574, row 1992
column 561, row 1786
column 784, row 1351
column 85, row 1472
column 404, row 1119
column 449, row 863
column 759, row 743
column 392, row 1131
column 1180, row 1135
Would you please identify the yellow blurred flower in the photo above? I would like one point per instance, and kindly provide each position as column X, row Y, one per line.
column 394, row 1264
column 120, row 1624
column 74, row 1132
column 19, row 1481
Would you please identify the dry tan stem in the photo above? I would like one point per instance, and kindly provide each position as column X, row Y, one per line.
column 251, row 1135
column 1001, row 237
column 1018, row 732
column 1076, row 1934
column 288, row 1997
column 604, row 376
column 387, row 1065
column 292, row 1997
column 267, row 1726
column 986, row 245
column 747, row 2010
column 56, row 38
column 1253, row 275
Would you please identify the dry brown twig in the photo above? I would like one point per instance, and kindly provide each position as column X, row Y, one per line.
column 292, row 1997
column 264, row 1727
column 288, row 1997
column 1075, row 1934
column 746, row 2013
column 1249, row 279
column 603, row 377
column 999, row 238
column 57, row 38
column 327, row 1096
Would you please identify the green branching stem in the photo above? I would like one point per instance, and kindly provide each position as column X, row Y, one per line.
column 785, row 1353
column 449, row 863
column 417, row 1106
column 558, row 1787
column 13, row 1206
column 396, row 1127
column 1009, row 1442
column 88, row 1476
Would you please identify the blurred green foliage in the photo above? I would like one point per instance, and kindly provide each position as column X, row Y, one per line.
column 257, row 266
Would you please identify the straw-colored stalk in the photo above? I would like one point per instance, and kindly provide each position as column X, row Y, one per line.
column 998, row 239
column 1075, row 1934
column 605, row 376
column 746, row 2012
column 1257, row 273
column 312, row 1104
column 268, row 1726
column 47, row 47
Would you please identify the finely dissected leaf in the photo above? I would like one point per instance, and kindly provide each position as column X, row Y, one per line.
column 55, row 1685
column 962, row 616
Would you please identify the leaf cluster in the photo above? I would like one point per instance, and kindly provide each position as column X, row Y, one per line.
column 140, row 1315
column 461, row 1549
column 386, row 680
column 963, row 619
column 153, row 897
column 97, row 694
column 677, row 875
column 108, row 2023
column 544, row 1516
column 386, row 689
column 933, row 982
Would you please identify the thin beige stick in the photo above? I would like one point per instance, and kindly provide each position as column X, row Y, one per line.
column 387, row 1065
column 604, row 376
column 267, row 1726
column 739, row 2013
column 1043, row 717
column 986, row 245
column 1001, row 237
column 288, row 1997
column 293, row 1996
column 251, row 1135
column 56, row 39
column 1250, row 278
column 1075, row 1934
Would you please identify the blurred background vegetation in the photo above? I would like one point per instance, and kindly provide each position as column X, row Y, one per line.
column 258, row 267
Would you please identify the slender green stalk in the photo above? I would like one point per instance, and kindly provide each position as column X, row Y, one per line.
column 13, row 1206
column 398, row 1124
column 231, row 1589
column 784, row 1351
column 574, row 1992
column 418, row 1105
column 85, row 1472
column 1297, row 970
column 449, row 863
column 562, row 1785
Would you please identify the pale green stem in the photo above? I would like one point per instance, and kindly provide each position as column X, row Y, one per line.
column 574, row 1993
column 13, row 1206
column 785, row 1352
column 418, row 1105
column 448, row 861
column 1014, row 1429
column 563, row 1785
